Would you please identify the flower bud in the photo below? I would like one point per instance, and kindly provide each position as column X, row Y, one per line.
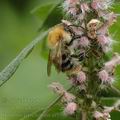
column 81, row 77
column 104, row 76
column 57, row 88
column 70, row 109
column 68, row 97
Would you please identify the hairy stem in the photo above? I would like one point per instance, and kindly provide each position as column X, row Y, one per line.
column 84, row 115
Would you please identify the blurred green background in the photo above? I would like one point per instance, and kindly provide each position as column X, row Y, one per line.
column 27, row 91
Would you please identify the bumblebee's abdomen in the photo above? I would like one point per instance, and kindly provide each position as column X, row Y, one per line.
column 67, row 63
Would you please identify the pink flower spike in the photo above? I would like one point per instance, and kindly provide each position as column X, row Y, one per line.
column 104, row 76
column 84, row 42
column 70, row 108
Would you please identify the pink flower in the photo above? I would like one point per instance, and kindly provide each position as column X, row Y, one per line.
column 72, row 11
column 103, row 40
column 109, row 66
column 104, row 76
column 84, row 42
column 81, row 77
column 103, row 29
column 68, row 97
column 99, row 115
column 72, row 1
column 70, row 6
column 57, row 88
column 78, row 78
column 103, row 14
column 70, row 108
column 111, row 18
column 101, row 4
column 85, row 7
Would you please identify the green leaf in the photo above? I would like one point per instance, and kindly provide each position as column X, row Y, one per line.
column 32, row 116
column 9, row 70
column 44, row 12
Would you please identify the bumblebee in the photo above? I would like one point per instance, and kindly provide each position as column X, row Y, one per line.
column 60, row 39
column 59, row 54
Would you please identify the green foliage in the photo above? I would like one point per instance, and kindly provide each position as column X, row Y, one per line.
column 49, row 15
column 12, row 67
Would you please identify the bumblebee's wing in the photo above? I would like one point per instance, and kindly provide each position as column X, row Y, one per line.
column 49, row 64
column 59, row 56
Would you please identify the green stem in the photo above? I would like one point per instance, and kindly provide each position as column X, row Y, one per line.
column 84, row 115
column 50, row 106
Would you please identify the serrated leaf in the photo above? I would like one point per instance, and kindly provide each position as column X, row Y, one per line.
column 9, row 70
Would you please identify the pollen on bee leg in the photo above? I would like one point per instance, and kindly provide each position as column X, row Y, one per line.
column 94, row 24
column 66, row 22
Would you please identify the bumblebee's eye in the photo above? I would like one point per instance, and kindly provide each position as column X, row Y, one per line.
column 64, row 56
column 94, row 25
column 90, row 26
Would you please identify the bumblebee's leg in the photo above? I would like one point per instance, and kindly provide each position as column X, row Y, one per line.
column 49, row 64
